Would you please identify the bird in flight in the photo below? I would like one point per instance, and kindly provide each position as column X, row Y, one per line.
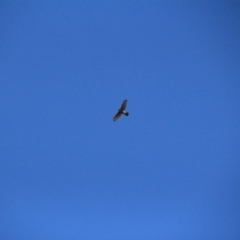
column 121, row 111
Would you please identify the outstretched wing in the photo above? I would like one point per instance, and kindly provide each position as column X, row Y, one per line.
column 124, row 105
column 117, row 116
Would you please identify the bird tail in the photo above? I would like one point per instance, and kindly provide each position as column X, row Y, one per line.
column 126, row 113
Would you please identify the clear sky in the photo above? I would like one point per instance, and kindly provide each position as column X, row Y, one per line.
column 170, row 170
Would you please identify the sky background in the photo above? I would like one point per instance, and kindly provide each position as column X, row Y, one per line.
column 170, row 170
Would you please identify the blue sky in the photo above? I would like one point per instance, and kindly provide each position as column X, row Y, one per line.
column 170, row 170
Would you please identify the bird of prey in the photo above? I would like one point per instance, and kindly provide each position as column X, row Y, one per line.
column 121, row 111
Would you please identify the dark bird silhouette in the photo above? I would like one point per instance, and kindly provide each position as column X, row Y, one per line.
column 121, row 111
